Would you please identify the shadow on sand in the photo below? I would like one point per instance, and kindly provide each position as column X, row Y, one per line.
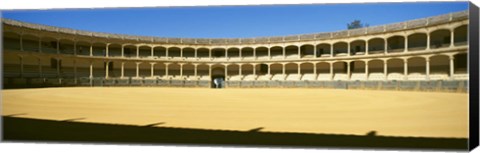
column 23, row 129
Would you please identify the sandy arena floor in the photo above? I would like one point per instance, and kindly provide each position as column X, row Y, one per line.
column 328, row 111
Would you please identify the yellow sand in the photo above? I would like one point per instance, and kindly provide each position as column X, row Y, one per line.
column 329, row 111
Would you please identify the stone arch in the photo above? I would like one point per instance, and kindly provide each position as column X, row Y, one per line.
column 376, row 46
column 340, row 49
column 357, row 47
column 461, row 35
column 440, row 38
column 396, row 44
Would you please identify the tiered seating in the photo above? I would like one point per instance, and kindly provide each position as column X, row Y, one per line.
column 191, row 78
column 262, row 77
column 293, row 77
column 376, row 76
column 341, row 54
column 263, row 57
column 395, row 76
column 291, row 56
column 416, row 76
column 309, row 76
column 235, row 78
column 277, row 57
column 251, row 77
column 438, row 76
column 340, row 76
column 324, row 76
column 204, row 77
column 358, row 76
column 360, row 53
column 279, row 77
column 325, row 55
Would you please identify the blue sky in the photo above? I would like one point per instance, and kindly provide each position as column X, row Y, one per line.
column 233, row 21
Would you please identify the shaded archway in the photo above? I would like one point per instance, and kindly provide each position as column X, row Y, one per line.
column 395, row 69
column 276, row 52
column 375, row 70
column 323, row 71
column 188, row 52
column 396, row 44
column 30, row 42
column 439, row 67
column 323, row 50
column 417, row 41
column 203, row 53
column 159, row 51
column 144, row 51
column 247, row 52
column 461, row 35
column 306, row 51
column 340, row 49
column 174, row 52
column 357, row 47
column 261, row 52
column 440, row 38
column 233, row 53
column 114, row 50
column 357, row 69
column 11, row 41
column 291, row 52
column 376, row 46
column 416, row 68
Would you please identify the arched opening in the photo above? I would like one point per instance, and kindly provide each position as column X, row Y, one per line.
column 233, row 53
column 439, row 67
column 116, row 69
column 130, row 51
column 357, row 47
column 83, row 68
column 218, row 76
column 340, row 71
column 11, row 65
column 261, row 69
column 247, row 52
column 276, row 69
column 417, row 41
column 323, row 50
column 395, row 69
column 114, row 50
column 189, row 71
column 276, row 52
column 396, row 44
column 291, row 70
column 247, row 69
column 323, row 70
column 66, row 46
column 30, row 67
column 261, row 52
column 99, row 49
column 159, row 69
column 461, row 35
column 30, row 42
column 218, row 53
column 306, row 69
column 129, row 69
column 144, row 70
column 291, row 52
column 416, row 68
column 49, row 45
column 188, row 53
column 376, row 46
column 233, row 72
column 306, row 51
column 357, row 69
column 203, row 53
column 174, row 70
column 440, row 38
column 460, row 64
column 203, row 72
column 340, row 49
column 159, row 51
column 174, row 52
column 144, row 51
column 11, row 41
column 376, row 70
column 98, row 69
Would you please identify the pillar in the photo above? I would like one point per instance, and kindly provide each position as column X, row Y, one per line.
column 91, row 49
column 106, row 69
column 166, row 68
column 181, row 53
column 91, row 69
column 331, row 50
column 427, row 60
column 195, row 52
column 74, row 47
column 315, row 69
column 428, row 41
column 385, row 66
column 366, row 69
column 299, row 52
column 405, row 49
column 283, row 52
column 331, row 71
column 452, row 66
column 405, row 69
column 58, row 67
column 152, row 69
column 209, row 53
column 366, row 47
column 254, row 53
column 181, row 66
column 137, row 69
column 106, row 49
column 195, row 69
column 210, row 70
column 314, row 51
column 166, row 52
column 152, row 51
column 122, row 70
column 348, row 49
column 226, row 53
column 240, row 53
column 226, row 71
column 452, row 34
column 385, row 46
column 348, row 70
column 269, row 68
column 240, row 69
column 269, row 55
column 298, row 69
column 138, row 50
column 254, row 69
column 122, row 51
column 283, row 69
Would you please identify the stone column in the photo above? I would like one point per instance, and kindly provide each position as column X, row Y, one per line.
column 195, row 52
column 122, row 70
column 427, row 60
column 138, row 50
column 269, row 55
column 366, row 69
column 299, row 52
column 195, row 69
column 58, row 46
column 106, row 69
column 385, row 66
column 210, row 70
column 166, row 68
column 152, row 51
column 181, row 68
column 181, row 52
column 452, row 38
column 226, row 71
column 166, row 52
column 91, row 49
column 283, row 68
column 58, row 67
column 122, row 51
column 254, row 53
column 209, row 53
column 314, row 51
column 386, row 46
column 405, row 44
column 298, row 68
column 91, row 70
column 331, row 71
column 269, row 68
column 152, row 69
column 283, row 52
column 226, row 53
column 331, row 50
column 240, row 69
column 240, row 53
column 348, row 70
column 137, row 69
column 254, row 69
column 405, row 69
column 452, row 66
column 106, row 50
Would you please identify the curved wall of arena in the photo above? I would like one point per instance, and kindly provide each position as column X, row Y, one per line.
column 422, row 54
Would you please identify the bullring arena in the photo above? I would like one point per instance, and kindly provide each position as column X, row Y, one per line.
column 407, row 79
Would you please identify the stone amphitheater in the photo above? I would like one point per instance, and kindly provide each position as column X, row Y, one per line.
column 428, row 54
